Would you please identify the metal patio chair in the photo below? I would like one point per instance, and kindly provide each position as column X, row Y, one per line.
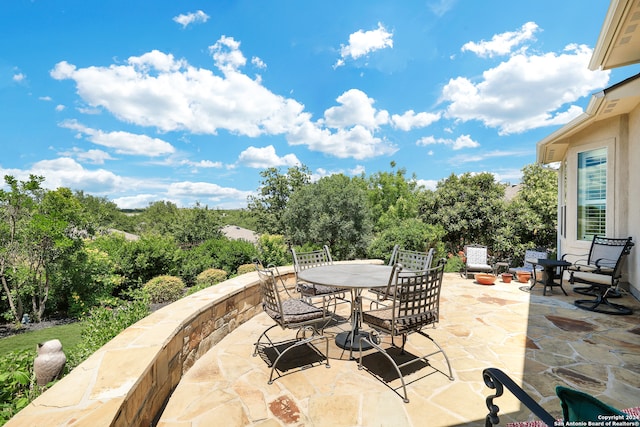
column 411, row 261
column 310, row 291
column 414, row 307
column 600, row 270
column 289, row 313
column 476, row 260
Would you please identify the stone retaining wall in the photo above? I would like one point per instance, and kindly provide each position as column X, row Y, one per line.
column 128, row 380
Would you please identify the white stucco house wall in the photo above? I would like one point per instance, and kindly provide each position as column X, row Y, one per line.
column 599, row 151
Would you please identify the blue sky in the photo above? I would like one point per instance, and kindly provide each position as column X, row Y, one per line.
column 188, row 101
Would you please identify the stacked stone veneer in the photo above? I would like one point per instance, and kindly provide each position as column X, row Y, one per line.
column 127, row 382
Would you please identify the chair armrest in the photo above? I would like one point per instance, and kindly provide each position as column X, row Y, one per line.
column 605, row 263
column 575, row 257
column 496, row 379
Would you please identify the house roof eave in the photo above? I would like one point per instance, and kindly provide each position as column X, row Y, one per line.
column 553, row 148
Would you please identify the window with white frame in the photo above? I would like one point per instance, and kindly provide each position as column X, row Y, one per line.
column 592, row 193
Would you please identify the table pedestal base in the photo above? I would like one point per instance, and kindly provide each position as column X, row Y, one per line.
column 344, row 341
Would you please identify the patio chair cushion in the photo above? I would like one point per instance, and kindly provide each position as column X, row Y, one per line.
column 594, row 278
column 308, row 289
column 295, row 311
column 382, row 318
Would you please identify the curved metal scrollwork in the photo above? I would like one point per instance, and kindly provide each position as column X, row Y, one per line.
column 495, row 379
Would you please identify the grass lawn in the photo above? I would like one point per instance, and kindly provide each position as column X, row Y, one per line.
column 69, row 336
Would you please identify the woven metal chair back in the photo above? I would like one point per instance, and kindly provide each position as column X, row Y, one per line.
column 417, row 302
column 304, row 260
column 608, row 253
column 412, row 260
column 476, row 254
column 537, row 253
column 271, row 302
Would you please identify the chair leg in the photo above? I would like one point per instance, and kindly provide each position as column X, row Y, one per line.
column 264, row 334
column 312, row 338
column 601, row 304
column 405, row 399
column 397, row 367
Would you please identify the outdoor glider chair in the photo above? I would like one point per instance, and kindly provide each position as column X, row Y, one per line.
column 476, row 260
column 414, row 307
column 578, row 408
column 414, row 261
column 310, row 291
column 600, row 270
column 289, row 313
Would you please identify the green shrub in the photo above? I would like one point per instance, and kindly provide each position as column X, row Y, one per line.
column 163, row 289
column 454, row 264
column 210, row 277
column 273, row 250
column 104, row 323
column 17, row 383
column 246, row 268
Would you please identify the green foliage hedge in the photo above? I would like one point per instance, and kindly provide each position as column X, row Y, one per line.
column 163, row 289
column 246, row 268
column 210, row 276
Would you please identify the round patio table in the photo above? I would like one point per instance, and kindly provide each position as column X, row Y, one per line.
column 357, row 278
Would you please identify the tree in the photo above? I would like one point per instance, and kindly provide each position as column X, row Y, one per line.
column 392, row 197
column 532, row 215
column 16, row 206
column 332, row 211
column 158, row 218
column 273, row 195
column 194, row 226
column 40, row 232
column 411, row 234
column 52, row 237
column 102, row 213
column 469, row 208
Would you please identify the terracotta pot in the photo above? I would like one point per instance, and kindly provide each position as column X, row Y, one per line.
column 524, row 277
column 485, row 279
column 506, row 277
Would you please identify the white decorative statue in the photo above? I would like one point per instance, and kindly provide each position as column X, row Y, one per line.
column 50, row 362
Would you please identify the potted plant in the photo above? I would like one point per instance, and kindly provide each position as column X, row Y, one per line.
column 506, row 277
column 524, row 276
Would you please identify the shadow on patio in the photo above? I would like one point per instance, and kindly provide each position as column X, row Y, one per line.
column 540, row 341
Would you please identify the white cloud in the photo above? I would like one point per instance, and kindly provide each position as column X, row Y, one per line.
column 257, row 62
column 205, row 191
column 463, row 141
column 428, row 184
column 266, row 157
column 502, row 44
column 362, row 43
column 19, row 77
column 187, row 19
column 45, row 98
column 157, row 90
column 204, row 164
column 526, row 91
column 356, row 109
column 96, row 157
column 410, row 120
column 66, row 172
column 357, row 142
column 123, row 142
column 440, row 7
column 60, row 107
column 137, row 201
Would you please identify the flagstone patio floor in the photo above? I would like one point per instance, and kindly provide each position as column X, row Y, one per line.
column 540, row 341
